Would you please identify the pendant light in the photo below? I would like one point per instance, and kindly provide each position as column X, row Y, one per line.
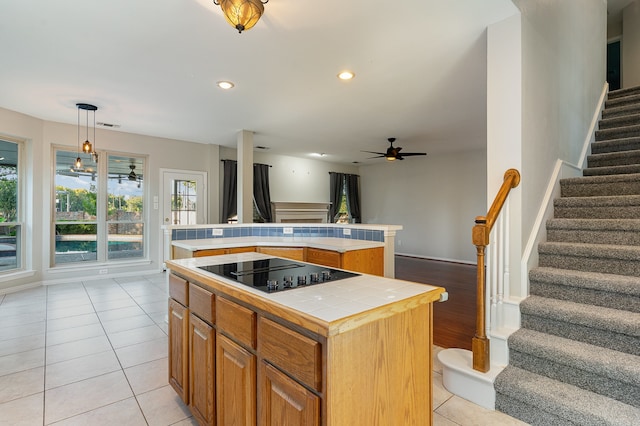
column 87, row 146
column 241, row 14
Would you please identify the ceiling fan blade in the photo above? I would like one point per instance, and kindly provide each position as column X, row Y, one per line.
column 409, row 154
column 379, row 156
column 372, row 152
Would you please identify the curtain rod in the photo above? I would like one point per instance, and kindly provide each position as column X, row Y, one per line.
column 255, row 164
column 346, row 174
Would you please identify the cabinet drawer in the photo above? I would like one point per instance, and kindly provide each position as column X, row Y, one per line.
column 294, row 353
column 208, row 252
column 179, row 289
column 234, row 250
column 324, row 257
column 295, row 253
column 202, row 303
column 236, row 321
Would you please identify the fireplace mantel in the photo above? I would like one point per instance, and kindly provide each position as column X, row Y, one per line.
column 299, row 212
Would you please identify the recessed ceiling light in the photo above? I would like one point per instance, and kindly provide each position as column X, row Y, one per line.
column 346, row 75
column 225, row 85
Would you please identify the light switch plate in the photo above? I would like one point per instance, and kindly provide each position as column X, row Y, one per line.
column 346, row 231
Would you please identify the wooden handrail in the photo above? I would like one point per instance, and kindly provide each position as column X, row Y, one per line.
column 480, row 238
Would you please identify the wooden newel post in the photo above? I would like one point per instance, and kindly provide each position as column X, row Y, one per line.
column 480, row 343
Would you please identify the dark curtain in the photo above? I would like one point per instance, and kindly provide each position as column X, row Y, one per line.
column 353, row 197
column 229, row 190
column 336, row 183
column 261, row 195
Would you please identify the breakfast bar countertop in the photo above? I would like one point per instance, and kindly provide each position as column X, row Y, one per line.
column 340, row 245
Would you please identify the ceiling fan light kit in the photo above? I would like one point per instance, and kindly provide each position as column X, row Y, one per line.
column 393, row 153
column 241, row 14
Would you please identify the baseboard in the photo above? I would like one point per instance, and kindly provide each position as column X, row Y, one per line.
column 14, row 289
column 459, row 377
column 437, row 259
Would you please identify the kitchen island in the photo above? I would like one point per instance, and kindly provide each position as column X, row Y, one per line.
column 346, row 352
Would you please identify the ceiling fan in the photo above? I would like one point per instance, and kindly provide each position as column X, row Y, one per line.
column 393, row 153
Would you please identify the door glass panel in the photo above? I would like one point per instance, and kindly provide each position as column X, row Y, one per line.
column 183, row 202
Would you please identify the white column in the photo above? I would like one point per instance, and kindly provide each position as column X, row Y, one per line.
column 245, row 177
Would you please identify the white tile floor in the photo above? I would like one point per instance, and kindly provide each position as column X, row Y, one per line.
column 95, row 353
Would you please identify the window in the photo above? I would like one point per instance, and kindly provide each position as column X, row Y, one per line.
column 99, row 208
column 343, row 210
column 10, row 214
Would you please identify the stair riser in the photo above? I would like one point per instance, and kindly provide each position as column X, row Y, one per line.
column 621, row 121
column 603, row 171
column 598, row 212
column 586, row 296
column 620, row 237
column 588, row 380
column 621, row 111
column 591, row 264
column 615, row 146
column 599, row 189
column 603, row 338
column 613, row 160
column 617, row 133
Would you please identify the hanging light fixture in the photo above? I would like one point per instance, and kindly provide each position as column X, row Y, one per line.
column 87, row 147
column 241, row 14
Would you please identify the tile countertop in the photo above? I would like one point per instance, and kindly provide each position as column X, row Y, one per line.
column 327, row 302
column 340, row 245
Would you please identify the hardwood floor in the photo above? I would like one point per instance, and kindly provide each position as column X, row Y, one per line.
column 454, row 320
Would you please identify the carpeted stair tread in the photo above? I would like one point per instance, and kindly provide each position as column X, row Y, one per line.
column 605, row 258
column 605, row 159
column 543, row 401
column 605, row 362
column 594, row 186
column 622, row 100
column 602, row 251
column 615, row 145
column 618, row 132
column 620, row 111
column 620, row 93
column 594, row 231
column 611, row 170
column 626, row 285
column 619, row 121
column 596, row 317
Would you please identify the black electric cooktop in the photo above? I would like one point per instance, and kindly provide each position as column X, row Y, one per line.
column 272, row 275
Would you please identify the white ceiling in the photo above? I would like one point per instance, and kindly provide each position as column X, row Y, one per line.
column 151, row 67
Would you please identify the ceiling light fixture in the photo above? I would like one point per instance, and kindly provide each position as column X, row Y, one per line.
column 241, row 14
column 226, row 85
column 132, row 175
column 346, row 75
column 87, row 146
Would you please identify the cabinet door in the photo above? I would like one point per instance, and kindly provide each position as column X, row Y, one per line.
column 178, row 349
column 283, row 401
column 236, row 383
column 202, row 371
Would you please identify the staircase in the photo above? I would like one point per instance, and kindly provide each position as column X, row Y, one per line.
column 576, row 359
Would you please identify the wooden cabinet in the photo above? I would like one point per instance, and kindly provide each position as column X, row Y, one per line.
column 179, row 349
column 367, row 261
column 283, row 401
column 202, row 370
column 294, row 253
column 236, row 383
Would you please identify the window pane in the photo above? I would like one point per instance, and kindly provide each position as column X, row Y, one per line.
column 9, row 247
column 76, row 243
column 8, row 181
column 76, row 188
column 125, row 240
column 125, row 207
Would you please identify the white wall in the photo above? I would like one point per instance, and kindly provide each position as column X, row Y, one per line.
column 563, row 71
column 435, row 198
column 40, row 138
column 631, row 45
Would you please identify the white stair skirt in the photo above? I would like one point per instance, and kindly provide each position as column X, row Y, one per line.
column 459, row 377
